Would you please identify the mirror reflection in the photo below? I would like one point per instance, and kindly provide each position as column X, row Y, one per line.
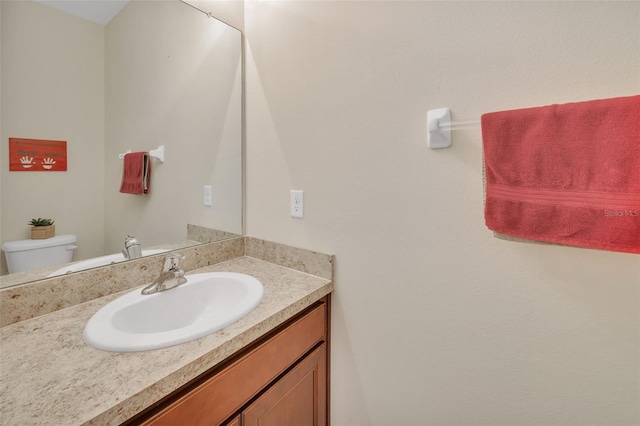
column 156, row 74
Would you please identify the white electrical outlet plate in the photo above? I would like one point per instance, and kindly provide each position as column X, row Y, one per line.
column 297, row 204
column 208, row 196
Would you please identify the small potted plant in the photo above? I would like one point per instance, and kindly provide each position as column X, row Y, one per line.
column 42, row 228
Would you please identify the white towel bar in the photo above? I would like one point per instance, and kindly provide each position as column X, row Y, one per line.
column 155, row 153
column 439, row 127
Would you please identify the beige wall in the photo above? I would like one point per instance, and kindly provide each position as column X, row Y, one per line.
column 53, row 88
column 170, row 85
column 435, row 322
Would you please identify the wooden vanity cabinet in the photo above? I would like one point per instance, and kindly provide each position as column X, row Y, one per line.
column 280, row 380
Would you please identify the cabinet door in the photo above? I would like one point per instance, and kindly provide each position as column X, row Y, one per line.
column 297, row 399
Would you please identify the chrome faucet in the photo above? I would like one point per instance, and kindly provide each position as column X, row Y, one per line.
column 132, row 249
column 170, row 276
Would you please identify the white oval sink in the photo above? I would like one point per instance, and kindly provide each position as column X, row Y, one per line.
column 99, row 261
column 205, row 303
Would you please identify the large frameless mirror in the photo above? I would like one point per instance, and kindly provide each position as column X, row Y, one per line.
column 156, row 74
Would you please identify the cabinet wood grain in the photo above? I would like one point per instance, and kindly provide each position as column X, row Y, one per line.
column 297, row 399
column 228, row 391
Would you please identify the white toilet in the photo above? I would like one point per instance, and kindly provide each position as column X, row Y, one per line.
column 25, row 255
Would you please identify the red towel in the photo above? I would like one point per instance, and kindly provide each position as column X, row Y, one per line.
column 136, row 173
column 567, row 174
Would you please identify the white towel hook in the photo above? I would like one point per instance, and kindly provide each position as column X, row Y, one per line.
column 439, row 127
column 437, row 137
column 158, row 153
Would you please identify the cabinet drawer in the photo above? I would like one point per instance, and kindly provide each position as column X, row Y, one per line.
column 223, row 394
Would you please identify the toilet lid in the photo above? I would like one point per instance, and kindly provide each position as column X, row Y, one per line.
column 22, row 245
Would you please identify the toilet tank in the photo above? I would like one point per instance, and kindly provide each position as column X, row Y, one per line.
column 25, row 255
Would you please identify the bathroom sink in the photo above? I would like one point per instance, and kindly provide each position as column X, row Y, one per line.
column 99, row 261
column 206, row 303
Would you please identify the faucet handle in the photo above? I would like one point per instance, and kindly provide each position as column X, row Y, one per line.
column 171, row 261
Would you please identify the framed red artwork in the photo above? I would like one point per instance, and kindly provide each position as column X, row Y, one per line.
column 37, row 155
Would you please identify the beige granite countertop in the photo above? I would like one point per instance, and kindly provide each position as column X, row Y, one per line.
column 50, row 376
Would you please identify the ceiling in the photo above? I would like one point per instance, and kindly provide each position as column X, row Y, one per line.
column 100, row 11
